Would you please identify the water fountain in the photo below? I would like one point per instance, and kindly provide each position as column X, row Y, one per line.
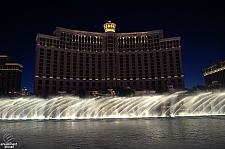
column 71, row 107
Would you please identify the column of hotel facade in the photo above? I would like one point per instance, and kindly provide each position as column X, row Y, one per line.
column 73, row 59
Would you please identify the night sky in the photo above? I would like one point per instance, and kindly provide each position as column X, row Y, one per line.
column 200, row 23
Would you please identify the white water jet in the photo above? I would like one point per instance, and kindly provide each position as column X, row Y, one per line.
column 71, row 107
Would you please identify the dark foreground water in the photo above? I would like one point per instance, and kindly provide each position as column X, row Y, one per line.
column 182, row 132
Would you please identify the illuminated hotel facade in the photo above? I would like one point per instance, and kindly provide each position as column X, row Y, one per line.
column 10, row 75
column 215, row 73
column 73, row 59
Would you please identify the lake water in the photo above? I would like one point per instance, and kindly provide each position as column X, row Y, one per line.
column 158, row 133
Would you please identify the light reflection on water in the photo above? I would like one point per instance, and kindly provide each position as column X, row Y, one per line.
column 182, row 132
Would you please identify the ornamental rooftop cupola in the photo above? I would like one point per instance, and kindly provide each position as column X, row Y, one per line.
column 109, row 27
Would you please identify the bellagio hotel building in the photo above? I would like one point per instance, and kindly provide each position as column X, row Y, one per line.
column 70, row 60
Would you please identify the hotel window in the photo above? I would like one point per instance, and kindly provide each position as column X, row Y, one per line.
column 39, row 82
column 39, row 87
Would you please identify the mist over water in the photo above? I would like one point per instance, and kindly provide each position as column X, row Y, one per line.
column 71, row 107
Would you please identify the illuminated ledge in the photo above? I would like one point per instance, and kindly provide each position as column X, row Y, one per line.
column 139, row 33
column 3, row 56
column 12, row 69
column 214, row 71
column 61, row 29
column 169, row 39
column 14, row 64
column 47, row 36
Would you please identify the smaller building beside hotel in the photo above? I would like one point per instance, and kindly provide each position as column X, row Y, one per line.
column 215, row 73
column 10, row 75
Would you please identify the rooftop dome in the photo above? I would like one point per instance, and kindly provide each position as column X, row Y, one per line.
column 109, row 27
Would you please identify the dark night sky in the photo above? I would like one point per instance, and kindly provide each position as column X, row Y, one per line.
column 200, row 23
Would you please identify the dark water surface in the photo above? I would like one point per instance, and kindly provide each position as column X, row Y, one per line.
column 180, row 133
